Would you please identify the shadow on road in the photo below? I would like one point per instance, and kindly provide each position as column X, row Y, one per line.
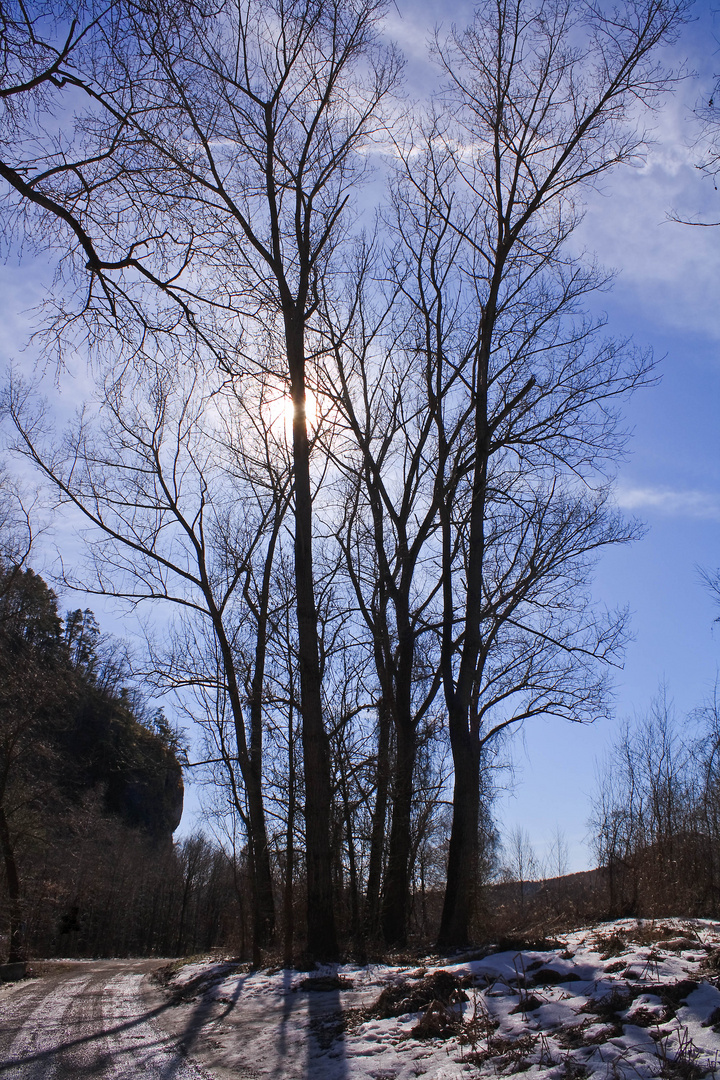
column 289, row 1006
column 97, row 1039
column 308, row 1030
column 326, row 1034
column 204, row 1011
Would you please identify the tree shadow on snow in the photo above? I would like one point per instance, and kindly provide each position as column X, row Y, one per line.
column 326, row 1050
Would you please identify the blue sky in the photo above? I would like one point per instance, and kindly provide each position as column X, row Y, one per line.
column 666, row 295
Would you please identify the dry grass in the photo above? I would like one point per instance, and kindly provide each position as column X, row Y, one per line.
column 404, row 997
column 684, row 1063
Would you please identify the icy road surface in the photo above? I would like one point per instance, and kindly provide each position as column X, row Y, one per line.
column 91, row 1019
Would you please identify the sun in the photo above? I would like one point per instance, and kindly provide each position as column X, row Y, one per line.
column 280, row 411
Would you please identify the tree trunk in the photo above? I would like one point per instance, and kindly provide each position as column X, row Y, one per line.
column 397, row 878
column 288, row 912
column 352, row 861
column 15, row 951
column 321, row 934
column 263, row 898
column 462, row 874
column 379, row 817
column 262, row 886
column 250, row 764
column 460, row 902
column 190, row 873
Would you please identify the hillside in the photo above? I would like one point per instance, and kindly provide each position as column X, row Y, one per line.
column 83, row 771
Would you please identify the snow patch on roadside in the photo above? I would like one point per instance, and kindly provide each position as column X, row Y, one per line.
column 621, row 1000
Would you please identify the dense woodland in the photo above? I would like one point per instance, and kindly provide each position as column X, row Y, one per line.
column 87, row 780
column 353, row 427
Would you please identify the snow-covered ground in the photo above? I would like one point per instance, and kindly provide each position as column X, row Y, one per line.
column 620, row 1000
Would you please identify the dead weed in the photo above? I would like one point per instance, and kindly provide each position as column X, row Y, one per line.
column 404, row 997
column 438, row 1022
column 684, row 1063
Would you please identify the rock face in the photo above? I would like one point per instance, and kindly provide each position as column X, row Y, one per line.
column 91, row 789
column 135, row 767
column 151, row 796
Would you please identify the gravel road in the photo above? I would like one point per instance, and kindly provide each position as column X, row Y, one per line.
column 94, row 1019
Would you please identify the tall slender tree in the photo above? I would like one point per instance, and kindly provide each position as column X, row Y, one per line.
column 390, row 521
column 219, row 153
column 542, row 100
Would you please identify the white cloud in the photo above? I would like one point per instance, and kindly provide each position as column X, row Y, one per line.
column 667, row 272
column 693, row 504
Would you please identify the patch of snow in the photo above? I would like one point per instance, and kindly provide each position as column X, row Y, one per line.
column 626, row 999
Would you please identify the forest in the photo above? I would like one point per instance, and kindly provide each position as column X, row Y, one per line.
column 347, row 434
column 82, row 767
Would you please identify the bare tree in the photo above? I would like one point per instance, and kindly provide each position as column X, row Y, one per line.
column 520, row 862
column 705, row 754
column 614, row 822
column 654, row 819
column 383, row 453
column 234, row 138
column 542, row 101
column 707, row 142
column 164, row 475
column 556, row 862
column 19, row 527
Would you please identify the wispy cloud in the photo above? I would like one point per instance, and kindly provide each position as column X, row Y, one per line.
column 668, row 272
column 694, row 504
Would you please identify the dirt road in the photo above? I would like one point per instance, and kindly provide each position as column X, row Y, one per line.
column 96, row 1019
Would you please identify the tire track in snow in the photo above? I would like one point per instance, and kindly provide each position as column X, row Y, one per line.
column 138, row 1046
column 32, row 1053
column 94, row 1025
column 15, row 1000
